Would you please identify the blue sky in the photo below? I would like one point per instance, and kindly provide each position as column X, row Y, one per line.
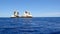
column 38, row 8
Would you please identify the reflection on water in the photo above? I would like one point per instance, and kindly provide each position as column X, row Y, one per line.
column 30, row 25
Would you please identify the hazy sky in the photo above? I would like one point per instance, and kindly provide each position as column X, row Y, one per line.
column 38, row 8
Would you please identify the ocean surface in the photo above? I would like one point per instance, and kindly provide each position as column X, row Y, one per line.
column 35, row 25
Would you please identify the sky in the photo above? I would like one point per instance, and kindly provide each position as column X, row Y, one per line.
column 38, row 8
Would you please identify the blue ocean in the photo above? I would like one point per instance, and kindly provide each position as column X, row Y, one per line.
column 35, row 25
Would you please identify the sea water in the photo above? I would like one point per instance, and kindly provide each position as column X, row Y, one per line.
column 35, row 25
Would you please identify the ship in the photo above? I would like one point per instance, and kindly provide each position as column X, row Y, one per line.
column 15, row 15
column 25, row 15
